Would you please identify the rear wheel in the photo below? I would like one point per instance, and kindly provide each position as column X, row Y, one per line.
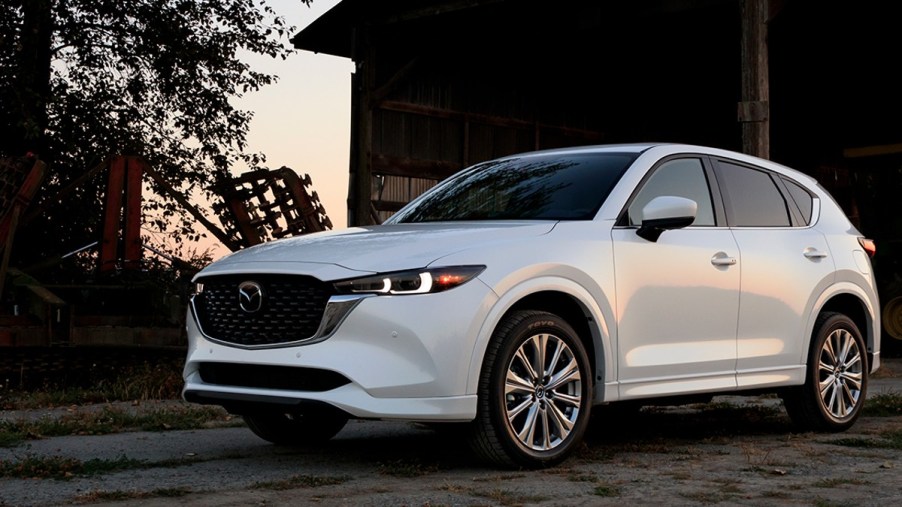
column 534, row 392
column 836, row 379
column 308, row 427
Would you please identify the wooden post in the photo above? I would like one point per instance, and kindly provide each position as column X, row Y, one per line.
column 361, row 180
column 754, row 108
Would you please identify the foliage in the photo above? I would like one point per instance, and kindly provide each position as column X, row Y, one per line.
column 889, row 439
column 81, row 80
column 883, row 405
column 111, row 419
column 61, row 468
column 301, row 481
column 94, row 378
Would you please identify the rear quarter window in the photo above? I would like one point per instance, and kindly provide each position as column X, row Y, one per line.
column 801, row 198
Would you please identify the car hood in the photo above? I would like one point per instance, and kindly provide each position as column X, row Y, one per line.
column 373, row 249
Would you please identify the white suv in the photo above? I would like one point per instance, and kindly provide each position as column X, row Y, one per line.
column 523, row 291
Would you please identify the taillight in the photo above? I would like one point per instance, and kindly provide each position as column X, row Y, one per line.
column 869, row 246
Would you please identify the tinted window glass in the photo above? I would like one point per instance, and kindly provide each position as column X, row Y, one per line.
column 680, row 178
column 540, row 187
column 754, row 200
column 802, row 199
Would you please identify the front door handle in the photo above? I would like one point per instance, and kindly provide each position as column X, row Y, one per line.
column 814, row 253
column 722, row 259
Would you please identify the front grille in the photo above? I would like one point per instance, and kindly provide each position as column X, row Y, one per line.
column 271, row 377
column 291, row 309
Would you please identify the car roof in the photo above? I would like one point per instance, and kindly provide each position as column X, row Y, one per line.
column 596, row 148
column 666, row 148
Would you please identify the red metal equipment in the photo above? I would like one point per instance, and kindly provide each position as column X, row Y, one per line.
column 120, row 246
column 21, row 178
column 131, row 304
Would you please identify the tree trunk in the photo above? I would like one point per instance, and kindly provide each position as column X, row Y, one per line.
column 33, row 87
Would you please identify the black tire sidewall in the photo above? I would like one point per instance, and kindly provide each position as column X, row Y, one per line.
column 829, row 324
column 533, row 323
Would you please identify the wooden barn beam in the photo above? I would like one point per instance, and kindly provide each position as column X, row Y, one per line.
column 391, row 84
column 484, row 119
column 388, row 165
column 360, row 191
column 753, row 111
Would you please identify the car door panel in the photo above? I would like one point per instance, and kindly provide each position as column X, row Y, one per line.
column 677, row 311
column 782, row 270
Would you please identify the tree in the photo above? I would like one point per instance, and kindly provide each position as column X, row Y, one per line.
column 81, row 80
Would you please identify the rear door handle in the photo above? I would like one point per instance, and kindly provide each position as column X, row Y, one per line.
column 722, row 259
column 814, row 253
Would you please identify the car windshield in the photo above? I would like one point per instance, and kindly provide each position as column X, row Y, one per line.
column 536, row 187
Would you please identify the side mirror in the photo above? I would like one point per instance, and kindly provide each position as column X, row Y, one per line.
column 664, row 213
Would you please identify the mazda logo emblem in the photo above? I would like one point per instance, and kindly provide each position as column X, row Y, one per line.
column 250, row 297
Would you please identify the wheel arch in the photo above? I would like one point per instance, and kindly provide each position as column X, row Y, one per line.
column 851, row 301
column 565, row 299
column 569, row 309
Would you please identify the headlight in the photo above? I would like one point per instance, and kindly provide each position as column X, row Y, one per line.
column 417, row 281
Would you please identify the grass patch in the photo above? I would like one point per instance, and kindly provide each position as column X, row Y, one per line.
column 301, row 481
column 407, row 468
column 118, row 495
column 582, row 477
column 498, row 478
column 35, row 467
column 705, row 497
column 883, row 405
column 886, row 440
column 834, row 482
column 606, row 490
column 113, row 420
column 58, row 467
column 512, row 498
column 100, row 382
column 10, row 436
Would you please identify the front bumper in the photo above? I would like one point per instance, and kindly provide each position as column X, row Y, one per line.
column 405, row 357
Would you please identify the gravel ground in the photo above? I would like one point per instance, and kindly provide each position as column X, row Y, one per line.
column 737, row 451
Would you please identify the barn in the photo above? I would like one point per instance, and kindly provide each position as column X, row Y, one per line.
column 442, row 84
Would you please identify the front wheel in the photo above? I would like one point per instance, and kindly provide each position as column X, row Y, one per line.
column 836, row 378
column 535, row 392
column 308, row 427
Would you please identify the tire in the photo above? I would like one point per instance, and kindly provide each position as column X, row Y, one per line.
column 526, row 417
column 836, row 379
column 309, row 427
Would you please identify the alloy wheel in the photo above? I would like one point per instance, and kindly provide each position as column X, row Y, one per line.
column 543, row 392
column 840, row 373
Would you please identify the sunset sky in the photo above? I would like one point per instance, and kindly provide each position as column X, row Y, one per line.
column 303, row 121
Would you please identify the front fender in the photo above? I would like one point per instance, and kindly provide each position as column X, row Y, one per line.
column 600, row 314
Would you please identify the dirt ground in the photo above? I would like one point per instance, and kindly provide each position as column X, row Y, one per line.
column 735, row 451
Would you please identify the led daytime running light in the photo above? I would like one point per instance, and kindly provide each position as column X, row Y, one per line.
column 422, row 281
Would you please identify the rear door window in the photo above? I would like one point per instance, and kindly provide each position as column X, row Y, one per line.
column 752, row 198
